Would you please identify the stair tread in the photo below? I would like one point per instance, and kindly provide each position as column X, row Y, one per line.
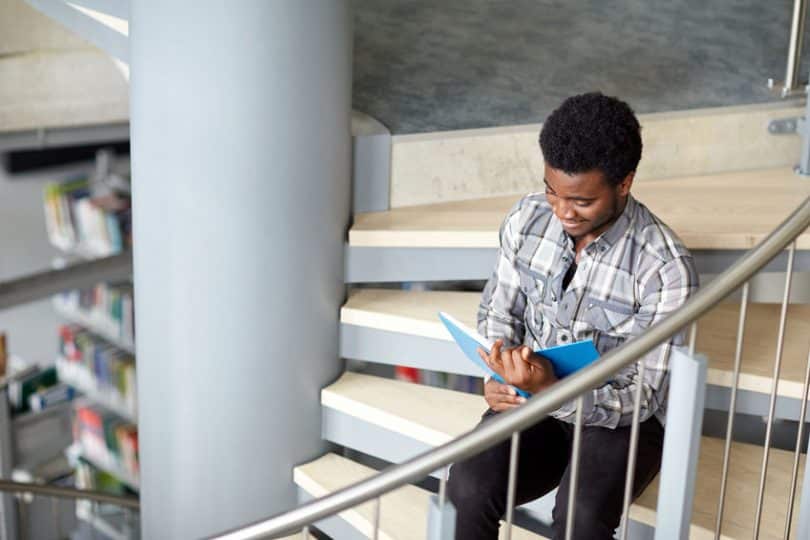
column 741, row 492
column 403, row 512
column 717, row 335
column 427, row 414
column 415, row 313
column 397, row 405
column 718, row 211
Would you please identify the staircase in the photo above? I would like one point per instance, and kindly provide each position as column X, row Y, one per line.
column 719, row 214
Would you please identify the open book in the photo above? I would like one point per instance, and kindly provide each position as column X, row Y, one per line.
column 565, row 359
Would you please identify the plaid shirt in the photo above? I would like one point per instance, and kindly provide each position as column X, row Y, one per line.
column 630, row 277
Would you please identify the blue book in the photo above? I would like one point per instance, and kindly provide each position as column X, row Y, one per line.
column 565, row 359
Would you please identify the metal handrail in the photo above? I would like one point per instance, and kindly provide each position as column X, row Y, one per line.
column 9, row 486
column 537, row 408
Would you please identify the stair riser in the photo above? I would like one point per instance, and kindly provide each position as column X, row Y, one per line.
column 368, row 264
column 334, row 526
column 380, row 346
column 441, row 167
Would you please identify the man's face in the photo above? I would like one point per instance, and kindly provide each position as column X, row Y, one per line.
column 585, row 203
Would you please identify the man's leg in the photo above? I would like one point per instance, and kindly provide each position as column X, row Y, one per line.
column 477, row 486
column 602, row 470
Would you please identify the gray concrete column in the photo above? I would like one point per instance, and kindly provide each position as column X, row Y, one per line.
column 241, row 148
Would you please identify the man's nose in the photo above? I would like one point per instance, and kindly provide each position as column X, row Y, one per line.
column 567, row 209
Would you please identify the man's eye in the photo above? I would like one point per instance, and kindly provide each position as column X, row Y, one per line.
column 583, row 204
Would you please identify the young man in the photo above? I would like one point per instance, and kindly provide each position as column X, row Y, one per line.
column 584, row 260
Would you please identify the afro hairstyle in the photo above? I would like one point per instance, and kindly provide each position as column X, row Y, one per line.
column 592, row 131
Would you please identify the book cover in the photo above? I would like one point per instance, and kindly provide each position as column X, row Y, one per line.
column 565, row 359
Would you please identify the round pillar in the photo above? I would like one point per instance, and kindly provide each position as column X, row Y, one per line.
column 241, row 149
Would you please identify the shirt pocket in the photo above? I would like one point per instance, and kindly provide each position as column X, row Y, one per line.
column 532, row 283
column 610, row 317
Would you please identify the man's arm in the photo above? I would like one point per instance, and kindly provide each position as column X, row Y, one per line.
column 611, row 405
column 503, row 303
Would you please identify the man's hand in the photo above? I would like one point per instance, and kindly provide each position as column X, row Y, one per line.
column 501, row 397
column 520, row 367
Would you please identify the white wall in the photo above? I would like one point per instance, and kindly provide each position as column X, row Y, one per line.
column 24, row 248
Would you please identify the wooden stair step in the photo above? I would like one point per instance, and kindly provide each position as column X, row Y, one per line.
column 416, row 313
column 719, row 212
column 403, row 512
column 434, row 416
column 745, row 463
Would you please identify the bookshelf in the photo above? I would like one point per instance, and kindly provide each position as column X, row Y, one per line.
column 94, row 322
column 85, row 382
column 112, row 525
column 87, row 218
column 99, row 457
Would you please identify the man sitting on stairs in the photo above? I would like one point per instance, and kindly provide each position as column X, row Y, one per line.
column 584, row 260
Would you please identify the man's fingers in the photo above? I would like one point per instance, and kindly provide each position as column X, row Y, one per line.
column 508, row 366
column 521, row 367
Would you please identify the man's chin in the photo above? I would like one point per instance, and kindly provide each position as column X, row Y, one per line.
column 578, row 228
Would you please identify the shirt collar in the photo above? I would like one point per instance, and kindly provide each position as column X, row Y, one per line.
column 616, row 231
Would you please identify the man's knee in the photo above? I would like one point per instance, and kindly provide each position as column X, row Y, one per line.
column 469, row 489
column 591, row 521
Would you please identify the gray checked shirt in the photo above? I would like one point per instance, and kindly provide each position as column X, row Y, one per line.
column 629, row 278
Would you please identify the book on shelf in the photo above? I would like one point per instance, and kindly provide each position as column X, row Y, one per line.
column 50, row 397
column 22, row 388
column 107, row 308
column 3, row 354
column 108, row 441
column 78, row 218
column 108, row 366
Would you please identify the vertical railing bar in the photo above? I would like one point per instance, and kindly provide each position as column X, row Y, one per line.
column 693, row 338
column 510, row 490
column 732, row 407
column 95, row 513
column 305, row 532
column 631, row 455
column 443, row 487
column 772, row 405
column 798, row 451
column 55, row 515
column 573, row 477
column 376, row 532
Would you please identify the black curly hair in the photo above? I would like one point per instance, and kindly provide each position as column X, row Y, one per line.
column 592, row 131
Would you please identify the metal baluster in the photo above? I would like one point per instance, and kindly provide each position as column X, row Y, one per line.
column 376, row 532
column 572, row 484
column 731, row 408
column 772, row 406
column 94, row 518
column 305, row 532
column 799, row 437
column 510, row 490
column 633, row 450
column 692, row 339
column 443, row 487
column 56, row 518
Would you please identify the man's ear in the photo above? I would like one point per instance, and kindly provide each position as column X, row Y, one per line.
column 625, row 185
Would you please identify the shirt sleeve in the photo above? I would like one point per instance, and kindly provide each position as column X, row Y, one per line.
column 611, row 405
column 503, row 303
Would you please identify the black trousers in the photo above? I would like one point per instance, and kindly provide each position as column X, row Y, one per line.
column 478, row 485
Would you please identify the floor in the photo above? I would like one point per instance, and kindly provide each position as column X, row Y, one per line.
column 426, row 66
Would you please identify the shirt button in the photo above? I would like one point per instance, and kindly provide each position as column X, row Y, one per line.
column 563, row 338
column 590, row 306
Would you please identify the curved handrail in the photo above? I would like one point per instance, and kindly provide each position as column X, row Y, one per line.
column 69, row 493
column 539, row 406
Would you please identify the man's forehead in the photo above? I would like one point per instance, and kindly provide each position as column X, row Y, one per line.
column 577, row 183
